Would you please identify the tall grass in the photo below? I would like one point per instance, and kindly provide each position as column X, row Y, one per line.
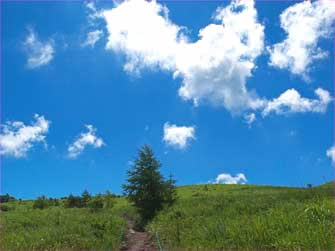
column 248, row 217
column 24, row 228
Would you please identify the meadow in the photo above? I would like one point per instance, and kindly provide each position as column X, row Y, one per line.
column 248, row 217
column 58, row 228
column 219, row 217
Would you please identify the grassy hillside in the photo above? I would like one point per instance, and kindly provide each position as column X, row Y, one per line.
column 57, row 227
column 204, row 217
column 248, row 217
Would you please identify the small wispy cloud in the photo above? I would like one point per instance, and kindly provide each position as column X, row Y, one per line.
column 250, row 118
column 331, row 153
column 16, row 138
column 38, row 53
column 92, row 38
column 84, row 140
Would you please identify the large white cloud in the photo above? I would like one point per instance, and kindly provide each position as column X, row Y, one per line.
column 213, row 69
column 16, row 138
column 331, row 153
column 38, row 53
column 292, row 102
column 226, row 178
column 178, row 136
column 305, row 23
column 84, row 140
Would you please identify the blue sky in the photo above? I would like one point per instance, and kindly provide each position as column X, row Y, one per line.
column 224, row 92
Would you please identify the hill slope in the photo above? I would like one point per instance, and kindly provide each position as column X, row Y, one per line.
column 248, row 217
column 204, row 217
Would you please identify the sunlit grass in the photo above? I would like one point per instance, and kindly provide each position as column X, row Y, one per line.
column 248, row 217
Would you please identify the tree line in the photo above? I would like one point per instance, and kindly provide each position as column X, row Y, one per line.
column 146, row 189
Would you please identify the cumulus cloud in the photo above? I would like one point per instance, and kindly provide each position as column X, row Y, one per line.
column 331, row 153
column 292, row 102
column 84, row 140
column 16, row 138
column 226, row 178
column 92, row 38
column 213, row 69
column 178, row 136
column 305, row 23
column 38, row 53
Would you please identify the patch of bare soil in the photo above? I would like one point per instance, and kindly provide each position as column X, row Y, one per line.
column 137, row 240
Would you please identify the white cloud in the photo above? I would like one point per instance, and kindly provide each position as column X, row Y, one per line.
column 305, row 23
column 331, row 153
column 16, row 138
column 92, row 38
column 178, row 136
column 291, row 102
column 250, row 118
column 85, row 139
column 213, row 69
column 226, row 178
column 38, row 53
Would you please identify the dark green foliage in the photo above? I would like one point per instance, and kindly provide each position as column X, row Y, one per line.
column 95, row 203
column 41, row 202
column 146, row 187
column 4, row 208
column 6, row 198
column 170, row 191
column 85, row 197
column 109, row 200
column 74, row 201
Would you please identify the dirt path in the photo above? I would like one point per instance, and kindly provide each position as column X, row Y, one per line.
column 137, row 240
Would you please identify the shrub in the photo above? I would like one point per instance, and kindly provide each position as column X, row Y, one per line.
column 109, row 201
column 41, row 203
column 74, row 201
column 95, row 203
column 4, row 208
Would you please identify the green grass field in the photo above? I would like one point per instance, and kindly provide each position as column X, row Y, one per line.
column 204, row 217
column 248, row 217
column 24, row 228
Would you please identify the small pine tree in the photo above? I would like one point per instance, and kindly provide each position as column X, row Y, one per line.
column 170, row 191
column 146, row 187
column 85, row 197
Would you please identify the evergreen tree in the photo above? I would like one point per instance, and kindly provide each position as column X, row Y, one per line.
column 146, row 187
column 170, row 191
column 85, row 197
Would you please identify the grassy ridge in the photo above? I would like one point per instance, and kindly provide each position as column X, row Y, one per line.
column 248, row 217
column 204, row 217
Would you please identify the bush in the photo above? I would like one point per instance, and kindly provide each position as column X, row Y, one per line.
column 6, row 198
column 109, row 201
column 4, row 208
column 41, row 203
column 95, row 203
column 74, row 201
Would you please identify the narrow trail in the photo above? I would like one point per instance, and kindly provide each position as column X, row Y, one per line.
column 137, row 240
